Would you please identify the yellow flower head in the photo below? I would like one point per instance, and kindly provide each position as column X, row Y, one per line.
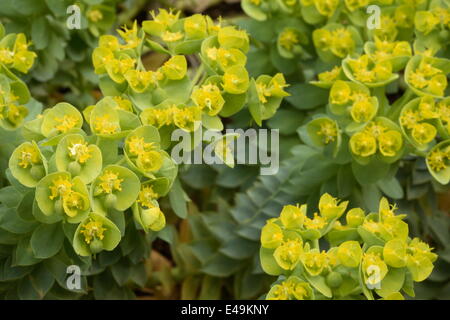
column 390, row 143
column 175, row 68
column 328, row 131
column 29, row 155
column 326, row 7
column 196, row 26
column 277, row 85
column 138, row 146
column 423, row 132
column 212, row 53
column 330, row 76
column 168, row 36
column 263, row 92
column 104, row 125
column 92, row 230
column 236, row 80
column 360, row 68
column 19, row 57
column 165, row 18
column 404, row 16
column 349, row 253
column 79, row 151
column 230, row 37
column 300, row 290
column 419, row 248
column 417, row 79
column 123, row 104
column 343, row 43
column 146, row 196
column 374, row 268
column 363, row 144
column 15, row 114
column 340, row 92
column 208, row 97
column 158, row 117
column 317, row 223
column 389, row 30
column 437, row 160
column 375, row 128
column 23, row 60
column 362, row 110
column 6, row 56
column 109, row 42
column 73, row 202
column 410, row 118
column 60, row 188
column 139, row 80
column 110, row 182
column 288, row 39
column 149, row 161
column 288, row 254
column 372, row 226
column 426, row 21
column 353, row 5
column 122, row 65
column 184, row 118
column 322, row 39
column 227, row 57
column 427, row 68
column 279, row 291
column 402, row 48
column 428, row 77
column 437, row 84
column 271, row 235
column 130, row 36
column 427, row 108
column 292, row 217
column 330, row 207
column 66, row 123
column 443, row 110
column 315, row 262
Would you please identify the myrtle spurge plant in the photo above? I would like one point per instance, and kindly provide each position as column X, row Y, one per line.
column 350, row 80
column 63, row 33
column 370, row 255
column 363, row 123
column 14, row 56
column 86, row 185
column 168, row 98
column 81, row 179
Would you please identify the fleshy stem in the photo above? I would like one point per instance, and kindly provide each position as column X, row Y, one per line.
column 198, row 74
column 315, row 244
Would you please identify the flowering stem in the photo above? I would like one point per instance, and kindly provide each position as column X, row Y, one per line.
column 315, row 244
column 198, row 74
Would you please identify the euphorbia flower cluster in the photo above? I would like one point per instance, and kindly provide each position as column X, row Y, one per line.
column 81, row 179
column 168, row 98
column 370, row 255
column 14, row 94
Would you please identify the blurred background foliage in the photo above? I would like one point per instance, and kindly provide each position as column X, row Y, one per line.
column 213, row 253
